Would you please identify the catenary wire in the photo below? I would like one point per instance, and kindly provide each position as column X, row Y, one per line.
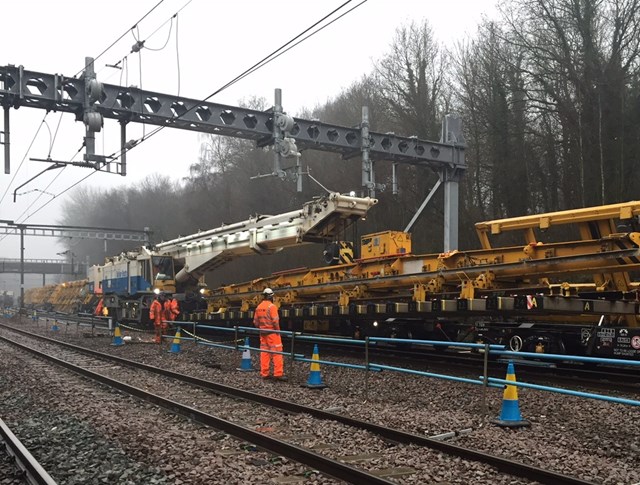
column 47, row 187
column 251, row 69
column 170, row 19
column 123, row 34
column 294, row 45
column 166, row 42
column 60, row 193
column 165, row 22
column 96, row 58
column 25, row 156
column 178, row 52
column 55, row 135
column 264, row 61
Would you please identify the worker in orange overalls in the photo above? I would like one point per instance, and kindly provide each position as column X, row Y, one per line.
column 159, row 315
column 266, row 318
column 173, row 308
column 98, row 310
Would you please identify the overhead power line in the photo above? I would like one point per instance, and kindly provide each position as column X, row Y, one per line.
column 123, row 34
column 263, row 62
column 25, row 156
column 302, row 36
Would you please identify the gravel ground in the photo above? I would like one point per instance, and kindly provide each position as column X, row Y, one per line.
column 590, row 439
column 10, row 474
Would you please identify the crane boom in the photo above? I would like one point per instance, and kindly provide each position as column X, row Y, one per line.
column 319, row 220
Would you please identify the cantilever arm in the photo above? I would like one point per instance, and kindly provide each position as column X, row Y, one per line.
column 52, row 167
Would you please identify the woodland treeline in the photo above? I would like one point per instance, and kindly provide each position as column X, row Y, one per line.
column 549, row 94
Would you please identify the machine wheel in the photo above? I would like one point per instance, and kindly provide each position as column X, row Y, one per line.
column 515, row 343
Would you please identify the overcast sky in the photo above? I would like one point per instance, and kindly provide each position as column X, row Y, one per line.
column 216, row 41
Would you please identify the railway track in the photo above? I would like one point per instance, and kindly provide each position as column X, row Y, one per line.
column 17, row 464
column 600, row 378
column 609, row 378
column 279, row 427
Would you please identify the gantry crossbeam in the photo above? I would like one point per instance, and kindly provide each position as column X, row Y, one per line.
column 22, row 88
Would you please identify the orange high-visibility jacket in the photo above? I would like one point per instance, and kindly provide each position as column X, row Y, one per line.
column 174, row 308
column 98, row 310
column 159, row 312
column 266, row 316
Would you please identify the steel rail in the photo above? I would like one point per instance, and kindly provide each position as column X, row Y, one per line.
column 33, row 472
column 503, row 464
column 318, row 462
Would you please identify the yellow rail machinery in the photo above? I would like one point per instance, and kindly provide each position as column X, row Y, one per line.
column 67, row 297
column 39, row 298
column 564, row 296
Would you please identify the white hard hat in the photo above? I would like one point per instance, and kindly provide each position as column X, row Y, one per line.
column 267, row 292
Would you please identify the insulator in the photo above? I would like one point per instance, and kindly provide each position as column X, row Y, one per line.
column 287, row 148
column 93, row 121
column 94, row 91
column 284, row 122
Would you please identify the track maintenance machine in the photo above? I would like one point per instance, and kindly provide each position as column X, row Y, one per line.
column 127, row 282
column 574, row 296
column 548, row 294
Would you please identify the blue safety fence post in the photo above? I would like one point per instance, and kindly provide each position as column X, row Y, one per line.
column 54, row 327
column 315, row 377
column 366, row 369
column 485, row 377
column 292, row 357
column 245, row 365
column 510, row 415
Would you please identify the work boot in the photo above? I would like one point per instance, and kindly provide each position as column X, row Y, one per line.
column 281, row 378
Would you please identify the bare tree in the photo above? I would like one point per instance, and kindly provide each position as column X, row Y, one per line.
column 580, row 55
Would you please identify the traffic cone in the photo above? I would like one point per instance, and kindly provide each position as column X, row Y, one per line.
column 245, row 365
column 315, row 378
column 117, row 337
column 54, row 327
column 510, row 415
column 175, row 345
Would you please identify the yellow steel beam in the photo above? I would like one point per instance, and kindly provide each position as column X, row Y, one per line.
column 417, row 277
column 622, row 211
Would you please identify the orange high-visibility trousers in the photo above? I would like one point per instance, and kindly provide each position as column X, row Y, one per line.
column 271, row 342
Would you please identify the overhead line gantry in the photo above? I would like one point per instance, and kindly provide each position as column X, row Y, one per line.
column 91, row 101
column 12, row 228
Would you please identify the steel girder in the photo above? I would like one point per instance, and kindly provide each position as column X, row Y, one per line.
column 54, row 92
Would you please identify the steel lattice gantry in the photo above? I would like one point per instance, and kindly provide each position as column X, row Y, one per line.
column 71, row 231
column 43, row 266
column 22, row 230
column 91, row 101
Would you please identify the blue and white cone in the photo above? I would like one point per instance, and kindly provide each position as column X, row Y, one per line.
column 510, row 415
column 175, row 345
column 117, row 337
column 315, row 378
column 245, row 365
column 54, row 327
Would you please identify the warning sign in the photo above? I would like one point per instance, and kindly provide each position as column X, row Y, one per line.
column 635, row 342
